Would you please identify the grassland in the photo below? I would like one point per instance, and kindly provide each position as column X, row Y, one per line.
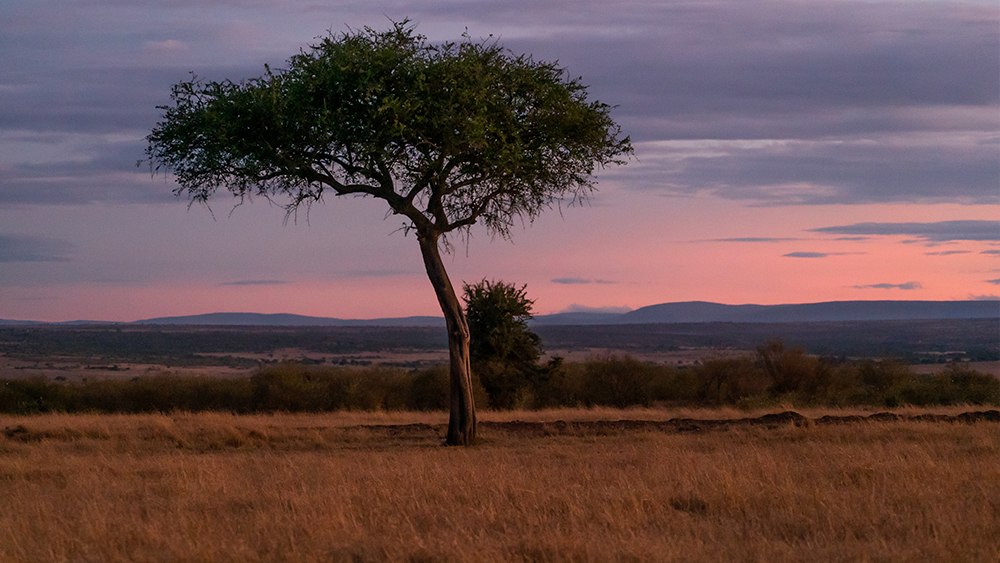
column 379, row 487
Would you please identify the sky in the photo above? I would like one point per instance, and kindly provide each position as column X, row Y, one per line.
column 786, row 151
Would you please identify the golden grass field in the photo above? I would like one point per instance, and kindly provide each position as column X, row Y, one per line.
column 364, row 487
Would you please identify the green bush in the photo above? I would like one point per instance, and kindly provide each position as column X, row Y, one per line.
column 429, row 390
column 676, row 386
column 25, row 396
column 618, row 381
column 608, row 380
column 293, row 387
column 726, row 381
column 503, row 350
column 960, row 385
column 790, row 370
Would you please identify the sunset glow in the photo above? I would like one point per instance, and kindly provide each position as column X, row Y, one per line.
column 786, row 152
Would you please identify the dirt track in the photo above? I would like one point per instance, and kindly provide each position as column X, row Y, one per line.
column 698, row 425
column 612, row 427
column 193, row 432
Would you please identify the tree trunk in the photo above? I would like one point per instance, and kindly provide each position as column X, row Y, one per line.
column 462, row 420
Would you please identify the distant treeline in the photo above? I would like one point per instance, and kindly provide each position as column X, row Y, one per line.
column 915, row 341
column 183, row 345
column 775, row 376
column 911, row 341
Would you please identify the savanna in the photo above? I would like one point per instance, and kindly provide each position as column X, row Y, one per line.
column 379, row 486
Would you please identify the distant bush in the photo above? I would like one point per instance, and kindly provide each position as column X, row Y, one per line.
column 618, row 381
column 960, row 385
column 775, row 375
column 286, row 386
column 728, row 381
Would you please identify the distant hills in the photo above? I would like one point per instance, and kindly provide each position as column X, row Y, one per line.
column 687, row 312
column 704, row 312
column 285, row 319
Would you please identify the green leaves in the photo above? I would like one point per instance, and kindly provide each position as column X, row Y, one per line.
column 503, row 350
column 449, row 134
column 498, row 315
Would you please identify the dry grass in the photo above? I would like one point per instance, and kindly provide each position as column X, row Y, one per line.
column 213, row 487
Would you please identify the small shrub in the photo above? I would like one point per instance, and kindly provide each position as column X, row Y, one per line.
column 958, row 384
column 790, row 370
column 726, row 381
column 618, row 381
column 429, row 389
column 672, row 385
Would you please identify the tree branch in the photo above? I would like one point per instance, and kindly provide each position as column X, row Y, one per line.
column 476, row 212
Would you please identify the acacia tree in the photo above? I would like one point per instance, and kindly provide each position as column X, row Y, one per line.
column 448, row 135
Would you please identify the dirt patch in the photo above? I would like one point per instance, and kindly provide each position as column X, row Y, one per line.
column 601, row 427
column 675, row 425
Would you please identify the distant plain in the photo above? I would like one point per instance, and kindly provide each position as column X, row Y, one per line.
column 75, row 352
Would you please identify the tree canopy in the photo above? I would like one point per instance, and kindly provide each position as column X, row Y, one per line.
column 498, row 315
column 504, row 351
column 449, row 135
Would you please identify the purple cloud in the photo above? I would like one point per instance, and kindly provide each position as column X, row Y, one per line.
column 904, row 286
column 755, row 239
column 15, row 248
column 942, row 231
column 837, row 82
column 807, row 255
column 817, row 254
column 256, row 282
column 578, row 281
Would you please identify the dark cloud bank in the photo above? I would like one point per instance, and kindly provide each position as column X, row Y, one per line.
column 15, row 248
column 941, row 231
column 877, row 101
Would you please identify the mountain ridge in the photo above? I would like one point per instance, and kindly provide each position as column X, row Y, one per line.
column 663, row 313
column 701, row 311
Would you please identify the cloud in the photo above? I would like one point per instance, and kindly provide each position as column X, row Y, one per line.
column 817, row 254
column 15, row 248
column 806, row 103
column 166, row 46
column 904, row 286
column 576, row 308
column 988, row 297
column 813, row 103
column 991, row 252
column 806, row 255
column 754, row 239
column 80, row 182
column 256, row 282
column 881, row 168
column 577, row 281
column 994, row 282
column 942, row 231
column 947, row 252
column 735, row 69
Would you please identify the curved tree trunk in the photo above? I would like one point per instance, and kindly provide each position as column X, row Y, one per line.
column 462, row 420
